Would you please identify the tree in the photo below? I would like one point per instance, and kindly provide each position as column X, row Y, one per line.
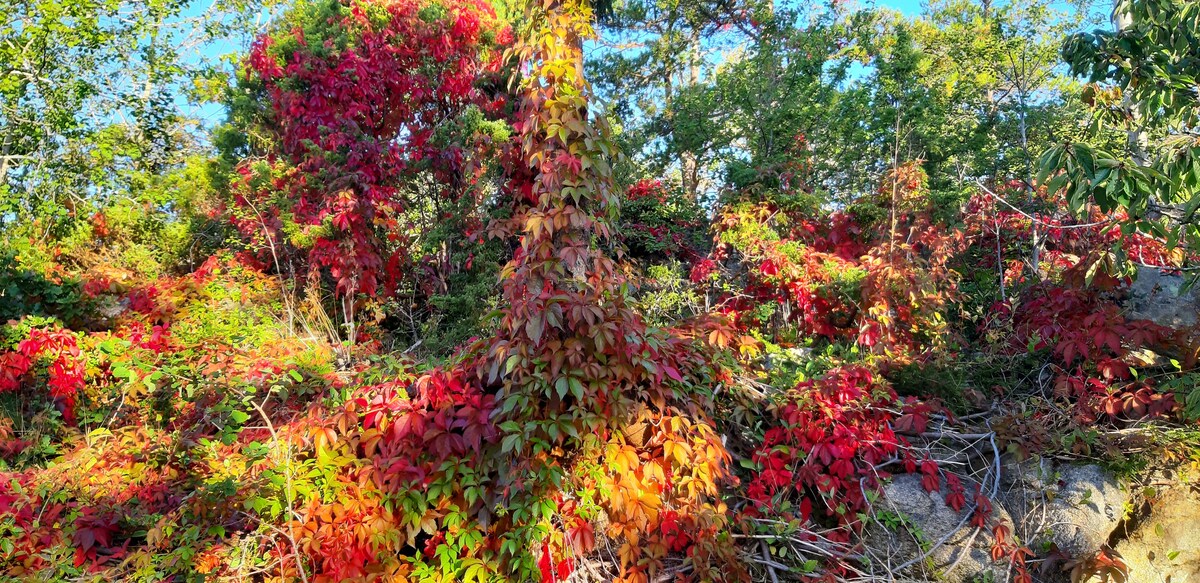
column 757, row 79
column 91, row 97
column 1143, row 81
column 1026, row 62
column 773, row 104
column 655, row 51
column 361, row 135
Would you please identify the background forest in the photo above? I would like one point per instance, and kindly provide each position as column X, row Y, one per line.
column 571, row 290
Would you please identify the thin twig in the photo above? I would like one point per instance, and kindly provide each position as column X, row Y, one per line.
column 1037, row 220
column 767, row 562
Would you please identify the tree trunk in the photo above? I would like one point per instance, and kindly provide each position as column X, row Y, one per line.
column 1135, row 138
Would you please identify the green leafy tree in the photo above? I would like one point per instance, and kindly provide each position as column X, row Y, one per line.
column 1143, row 82
column 96, row 95
column 654, row 52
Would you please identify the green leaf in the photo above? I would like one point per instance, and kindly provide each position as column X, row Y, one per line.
column 1056, row 183
column 510, row 443
column 1091, row 272
column 1087, row 162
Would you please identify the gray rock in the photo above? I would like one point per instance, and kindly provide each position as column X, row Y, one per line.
column 924, row 520
column 1159, row 298
column 1165, row 545
column 1075, row 507
column 110, row 308
column 788, row 356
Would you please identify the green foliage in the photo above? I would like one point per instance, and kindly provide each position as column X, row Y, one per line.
column 89, row 101
column 816, row 98
column 1143, row 82
column 788, row 367
column 1186, row 387
column 457, row 313
column 845, row 283
column 666, row 296
column 661, row 222
column 26, row 292
column 945, row 380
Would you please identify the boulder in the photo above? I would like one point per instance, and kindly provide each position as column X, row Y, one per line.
column 110, row 308
column 1073, row 507
column 1160, row 298
column 916, row 520
column 1164, row 546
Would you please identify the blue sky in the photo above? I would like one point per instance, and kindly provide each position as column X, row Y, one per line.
column 907, row 7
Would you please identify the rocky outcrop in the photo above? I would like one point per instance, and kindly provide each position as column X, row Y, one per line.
column 1164, row 547
column 915, row 521
column 1072, row 507
column 1077, row 509
column 1160, row 298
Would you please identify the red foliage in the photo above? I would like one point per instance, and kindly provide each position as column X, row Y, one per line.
column 702, row 270
column 35, row 522
column 1070, row 245
column 835, row 434
column 647, row 189
column 65, row 373
column 100, row 227
column 553, row 570
column 96, row 287
column 94, row 532
column 157, row 339
column 142, row 300
column 881, row 286
column 1091, row 342
column 353, row 121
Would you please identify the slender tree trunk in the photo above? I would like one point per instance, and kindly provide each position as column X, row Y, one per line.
column 1035, row 254
column 895, row 188
column 689, row 163
column 1135, row 138
column 4, row 160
